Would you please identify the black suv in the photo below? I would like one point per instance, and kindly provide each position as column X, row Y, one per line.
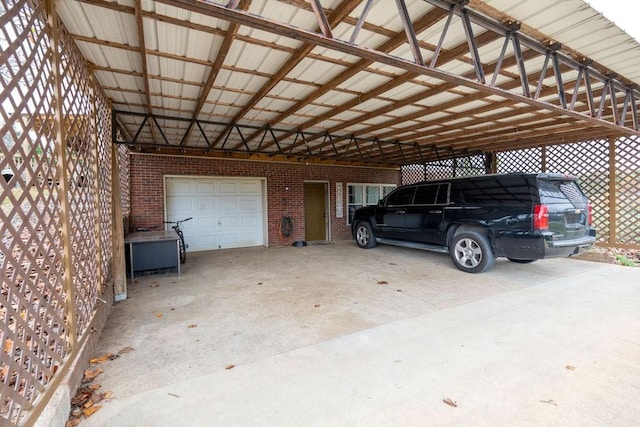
column 523, row 217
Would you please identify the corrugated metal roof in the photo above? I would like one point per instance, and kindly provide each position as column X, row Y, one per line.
column 260, row 80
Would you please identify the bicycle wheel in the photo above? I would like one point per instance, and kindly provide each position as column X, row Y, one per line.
column 183, row 248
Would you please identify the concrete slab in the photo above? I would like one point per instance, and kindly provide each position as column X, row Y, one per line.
column 317, row 337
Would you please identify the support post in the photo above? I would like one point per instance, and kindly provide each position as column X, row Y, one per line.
column 96, row 188
column 612, row 191
column 119, row 266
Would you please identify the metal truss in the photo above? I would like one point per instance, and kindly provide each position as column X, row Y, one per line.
column 270, row 144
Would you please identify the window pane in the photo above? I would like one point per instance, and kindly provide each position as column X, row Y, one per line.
column 373, row 194
column 386, row 189
column 355, row 194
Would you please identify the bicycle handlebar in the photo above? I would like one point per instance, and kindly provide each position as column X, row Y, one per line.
column 177, row 222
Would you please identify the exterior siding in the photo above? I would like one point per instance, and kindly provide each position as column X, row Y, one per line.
column 147, row 192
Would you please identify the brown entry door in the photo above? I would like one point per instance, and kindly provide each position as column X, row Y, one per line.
column 314, row 211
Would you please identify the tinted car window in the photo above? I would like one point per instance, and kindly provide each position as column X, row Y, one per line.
column 401, row 196
column 558, row 191
column 426, row 195
column 512, row 190
column 432, row 194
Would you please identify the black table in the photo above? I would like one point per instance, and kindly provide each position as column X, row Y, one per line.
column 151, row 250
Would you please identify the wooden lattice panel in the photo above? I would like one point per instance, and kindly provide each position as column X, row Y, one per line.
column 32, row 310
column 627, row 187
column 36, row 334
column 589, row 161
column 103, row 128
column 526, row 160
column 80, row 136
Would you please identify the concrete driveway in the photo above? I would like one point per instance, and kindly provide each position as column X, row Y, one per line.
column 335, row 335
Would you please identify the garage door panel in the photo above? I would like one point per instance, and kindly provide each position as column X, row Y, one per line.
column 180, row 187
column 205, row 188
column 228, row 213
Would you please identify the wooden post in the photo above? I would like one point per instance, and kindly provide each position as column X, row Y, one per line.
column 64, row 185
column 543, row 158
column 98, row 199
column 612, row 191
column 117, row 234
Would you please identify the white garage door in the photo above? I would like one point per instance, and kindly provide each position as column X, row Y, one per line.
column 227, row 212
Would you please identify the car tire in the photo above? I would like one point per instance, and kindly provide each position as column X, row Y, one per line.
column 522, row 261
column 364, row 235
column 471, row 252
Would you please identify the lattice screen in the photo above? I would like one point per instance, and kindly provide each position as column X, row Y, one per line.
column 526, row 160
column 588, row 160
column 37, row 189
column 627, row 185
column 448, row 168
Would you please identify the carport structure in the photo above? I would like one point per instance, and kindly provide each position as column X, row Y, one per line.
column 110, row 108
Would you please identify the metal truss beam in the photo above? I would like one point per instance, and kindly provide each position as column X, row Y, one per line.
column 355, row 149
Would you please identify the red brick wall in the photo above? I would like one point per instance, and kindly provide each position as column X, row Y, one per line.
column 147, row 193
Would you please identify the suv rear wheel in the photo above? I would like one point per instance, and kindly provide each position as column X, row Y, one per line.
column 471, row 252
column 364, row 235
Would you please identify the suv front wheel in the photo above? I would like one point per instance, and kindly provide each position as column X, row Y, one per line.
column 364, row 235
column 471, row 252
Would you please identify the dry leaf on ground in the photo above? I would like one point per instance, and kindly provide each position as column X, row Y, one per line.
column 450, row 402
column 90, row 375
column 571, row 368
column 158, row 314
column 94, row 387
column 316, row 306
column 103, row 358
column 230, row 367
column 72, row 422
column 107, row 394
column 125, row 350
column 90, row 411
column 192, row 325
column 382, row 282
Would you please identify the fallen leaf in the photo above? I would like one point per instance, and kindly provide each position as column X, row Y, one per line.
column 125, row 350
column 158, row 315
column 103, row 358
column 90, row 411
column 90, row 375
column 230, row 367
column 316, row 306
column 88, row 404
column 259, row 283
column 107, row 394
column 72, row 422
column 154, row 285
column 193, row 325
column 450, row 402
column 571, row 368
column 382, row 282
column 398, row 290
column 174, row 395
column 94, row 387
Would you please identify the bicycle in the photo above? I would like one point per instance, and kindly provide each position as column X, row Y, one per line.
column 178, row 230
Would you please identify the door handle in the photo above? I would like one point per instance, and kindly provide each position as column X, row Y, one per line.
column 399, row 212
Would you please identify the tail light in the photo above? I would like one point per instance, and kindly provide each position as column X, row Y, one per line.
column 589, row 214
column 540, row 217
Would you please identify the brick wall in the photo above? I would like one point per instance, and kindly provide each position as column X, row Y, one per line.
column 147, row 193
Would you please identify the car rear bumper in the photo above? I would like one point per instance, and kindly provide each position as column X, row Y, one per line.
column 560, row 248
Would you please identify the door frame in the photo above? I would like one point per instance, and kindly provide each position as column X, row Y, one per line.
column 327, row 205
